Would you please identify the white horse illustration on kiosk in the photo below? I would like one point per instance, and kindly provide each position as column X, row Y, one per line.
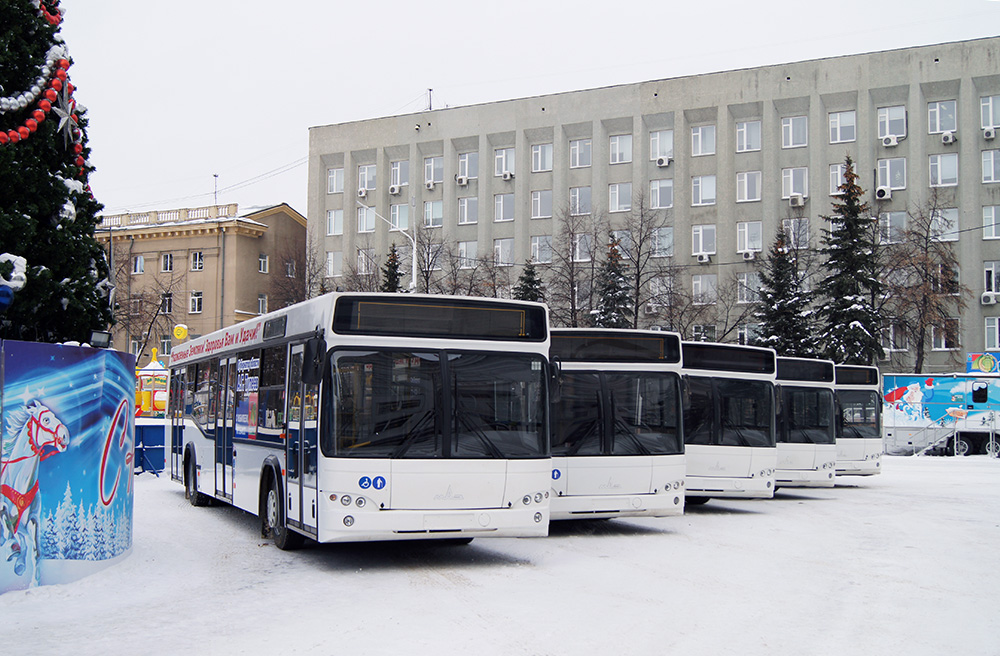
column 33, row 433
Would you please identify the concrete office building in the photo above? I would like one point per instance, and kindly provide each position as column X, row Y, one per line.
column 731, row 157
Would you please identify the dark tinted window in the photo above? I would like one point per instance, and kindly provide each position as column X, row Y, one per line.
column 817, row 370
column 807, row 416
column 722, row 357
column 848, row 375
column 699, row 411
column 577, row 417
column 598, row 346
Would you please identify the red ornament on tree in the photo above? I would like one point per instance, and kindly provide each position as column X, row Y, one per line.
column 51, row 95
column 77, row 148
column 23, row 132
column 39, row 115
column 44, row 105
column 3, row 138
column 63, row 64
column 14, row 136
column 61, row 74
column 80, row 161
column 31, row 124
column 56, row 83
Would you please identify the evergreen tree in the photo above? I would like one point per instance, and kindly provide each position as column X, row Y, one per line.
column 850, row 322
column 614, row 297
column 529, row 285
column 784, row 313
column 390, row 272
column 47, row 214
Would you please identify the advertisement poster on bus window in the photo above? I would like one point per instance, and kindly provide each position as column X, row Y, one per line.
column 247, row 384
column 66, row 482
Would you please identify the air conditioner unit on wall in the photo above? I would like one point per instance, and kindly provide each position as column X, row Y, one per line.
column 394, row 190
column 663, row 161
column 890, row 141
column 507, row 175
column 362, row 192
column 797, row 200
column 749, row 256
column 429, row 185
column 704, row 258
column 461, row 180
column 989, row 133
column 883, row 193
column 988, row 298
column 948, row 137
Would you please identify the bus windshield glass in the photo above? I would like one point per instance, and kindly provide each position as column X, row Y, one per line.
column 860, row 413
column 747, row 415
column 807, row 416
column 435, row 404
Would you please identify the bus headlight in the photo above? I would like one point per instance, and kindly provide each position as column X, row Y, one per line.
column 346, row 500
column 526, row 500
column 360, row 502
column 348, row 521
column 538, row 518
column 538, row 497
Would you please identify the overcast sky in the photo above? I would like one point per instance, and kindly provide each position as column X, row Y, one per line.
column 178, row 92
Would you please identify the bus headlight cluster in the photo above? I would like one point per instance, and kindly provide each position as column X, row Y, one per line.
column 345, row 499
column 763, row 473
column 676, row 485
column 538, row 498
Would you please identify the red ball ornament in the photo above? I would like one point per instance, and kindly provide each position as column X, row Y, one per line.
column 44, row 105
column 79, row 160
column 3, row 138
column 31, row 124
column 13, row 136
column 75, row 118
column 39, row 115
column 77, row 148
column 24, row 132
column 63, row 64
column 70, row 88
column 56, row 83
column 51, row 95
column 61, row 74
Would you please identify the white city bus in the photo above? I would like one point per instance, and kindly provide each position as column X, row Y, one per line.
column 729, row 421
column 354, row 417
column 617, row 447
column 859, row 422
column 807, row 439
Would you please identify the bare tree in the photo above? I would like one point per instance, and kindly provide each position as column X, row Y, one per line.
column 143, row 304
column 363, row 274
column 301, row 276
column 574, row 267
column 672, row 304
column 643, row 244
column 460, row 275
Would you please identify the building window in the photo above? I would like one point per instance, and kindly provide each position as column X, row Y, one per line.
column 197, row 261
column 747, row 333
column 579, row 201
column 663, row 242
column 796, row 232
column 579, row 153
column 794, row 181
column 261, row 303
column 703, row 190
column 621, row 148
column 582, row 248
column 138, row 264
column 503, row 252
column 944, row 224
column 366, row 177
column 335, row 181
column 747, row 186
column 838, row 178
column 945, row 337
column 468, row 210
column 703, row 288
column 431, row 257
column 661, row 144
column 620, row 197
column 366, row 261
column 944, row 170
column 941, row 116
column 945, row 280
column 335, row 222
column 747, row 136
column 399, row 173
column 991, row 166
column 893, row 336
column 661, row 193
column 541, row 249
column 503, row 161
column 541, row 158
column 503, row 207
column 990, row 111
column 165, row 344
column 195, row 303
column 166, row 262
column 992, row 333
column 399, row 217
column 134, row 345
column 262, row 263
column 892, row 173
column 703, row 332
column 167, row 303
column 366, row 219
column 468, row 165
column 623, row 239
column 334, row 264
column 290, row 269
column 433, row 213
column 541, row 204
column 991, row 222
column 749, row 236
column 703, row 240
column 991, row 276
column 794, row 131
column 891, row 226
column 467, row 254
column 434, row 169
column 892, row 122
column 842, row 127
column 748, row 287
column 703, row 140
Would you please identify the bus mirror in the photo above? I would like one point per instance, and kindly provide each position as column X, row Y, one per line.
column 555, row 380
column 313, row 359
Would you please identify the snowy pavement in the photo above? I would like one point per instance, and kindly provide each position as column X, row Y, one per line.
column 904, row 562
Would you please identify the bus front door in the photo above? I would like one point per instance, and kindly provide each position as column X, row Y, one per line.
column 301, row 445
column 224, row 427
column 176, row 405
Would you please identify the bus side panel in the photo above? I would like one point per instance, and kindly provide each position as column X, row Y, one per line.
column 247, row 464
column 202, row 449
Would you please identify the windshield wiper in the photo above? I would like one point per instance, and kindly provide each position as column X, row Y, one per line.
column 478, row 432
column 411, row 435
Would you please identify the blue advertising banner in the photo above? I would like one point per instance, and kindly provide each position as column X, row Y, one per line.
column 983, row 363
column 66, row 480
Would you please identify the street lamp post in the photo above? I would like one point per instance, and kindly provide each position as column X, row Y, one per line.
column 413, row 244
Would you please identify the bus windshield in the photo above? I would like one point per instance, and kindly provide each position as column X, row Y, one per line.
column 860, row 413
column 435, row 404
column 622, row 414
column 807, row 416
column 747, row 414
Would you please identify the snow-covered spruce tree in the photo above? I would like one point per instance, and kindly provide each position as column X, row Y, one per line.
column 529, row 284
column 47, row 214
column 849, row 321
column 784, row 313
column 390, row 272
column 614, row 296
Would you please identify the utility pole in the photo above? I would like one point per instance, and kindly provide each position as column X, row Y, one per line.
column 216, row 197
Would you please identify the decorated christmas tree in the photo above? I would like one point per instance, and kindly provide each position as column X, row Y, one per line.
column 54, row 282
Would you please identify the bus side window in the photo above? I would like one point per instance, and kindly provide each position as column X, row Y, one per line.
column 980, row 391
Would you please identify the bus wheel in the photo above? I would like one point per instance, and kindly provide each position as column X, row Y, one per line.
column 695, row 501
column 992, row 448
column 962, row 446
column 195, row 497
column 274, row 511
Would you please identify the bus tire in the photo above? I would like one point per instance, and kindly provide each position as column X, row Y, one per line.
column 695, row 501
column 963, row 447
column 992, row 448
column 195, row 497
column 274, row 519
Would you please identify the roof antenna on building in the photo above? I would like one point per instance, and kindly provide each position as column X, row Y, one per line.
column 430, row 102
column 216, row 176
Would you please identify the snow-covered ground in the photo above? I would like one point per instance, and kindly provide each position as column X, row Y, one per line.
column 906, row 562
